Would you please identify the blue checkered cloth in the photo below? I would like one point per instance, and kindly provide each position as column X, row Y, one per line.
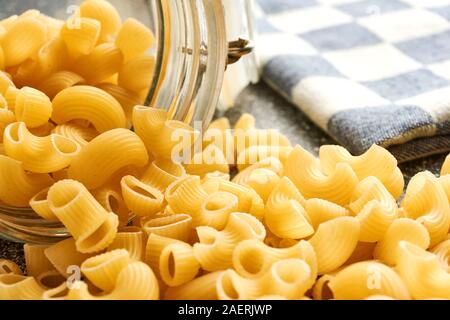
column 365, row 71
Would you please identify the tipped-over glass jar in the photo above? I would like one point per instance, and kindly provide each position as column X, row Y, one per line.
column 194, row 41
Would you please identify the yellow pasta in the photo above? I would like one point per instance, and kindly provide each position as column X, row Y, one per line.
column 255, row 154
column 33, row 107
column 17, row 186
column 255, row 137
column 60, row 81
column 263, row 181
column 5, row 84
column 186, row 195
column 111, row 199
column 442, row 251
column 211, row 159
column 81, row 36
column 22, row 40
column 364, row 251
column 44, row 130
column 201, row 288
column 80, row 134
column 446, row 166
column 375, row 208
column 172, row 260
column 285, row 215
column 336, row 186
column 39, row 154
column 88, row 103
column 105, row 13
column 403, row 229
column 334, row 242
column 50, row 280
column 106, row 58
column 215, row 248
column 320, row 211
column 90, row 224
column 132, row 240
column 134, row 39
column 162, row 173
column 2, row 54
column 51, row 57
column 216, row 209
column 18, row 287
column 252, row 258
column 376, row 162
column 364, row 279
column 6, row 116
column 287, row 278
column 11, row 96
column 64, row 255
column 9, row 267
column 426, row 202
column 105, row 155
column 272, row 164
column 36, row 261
column 140, row 198
column 175, row 226
column 245, row 123
column 422, row 273
column 321, row 290
column 136, row 74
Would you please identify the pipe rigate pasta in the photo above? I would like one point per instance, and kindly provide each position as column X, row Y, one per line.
column 105, row 13
column 162, row 173
column 172, row 260
column 336, row 186
column 216, row 209
column 33, row 107
column 211, row 159
column 201, row 288
column 134, row 39
column 132, row 240
column 36, row 261
column 88, row 103
column 186, row 195
column 272, row 164
column 9, row 267
column 78, row 133
column 90, row 224
column 136, row 74
column 320, row 211
column 442, row 251
column 10, row 95
column 18, row 287
column 254, row 154
column 174, row 226
column 110, row 198
column 105, row 155
column 214, row 251
column 82, row 39
column 60, row 81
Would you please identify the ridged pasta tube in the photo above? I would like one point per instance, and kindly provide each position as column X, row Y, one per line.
column 90, row 224
column 17, row 186
column 175, row 226
column 33, row 107
column 320, row 211
column 254, row 154
column 285, row 215
column 105, row 155
column 39, row 154
column 426, row 202
column 442, row 251
column 88, row 103
column 140, row 198
column 35, row 260
column 78, row 133
column 162, row 173
column 215, row 248
column 60, row 81
column 132, row 240
column 81, row 36
column 172, row 260
column 201, row 288
column 136, row 74
column 334, row 242
column 18, row 287
column 306, row 173
column 216, row 210
column 186, row 195
column 134, row 39
column 105, row 13
column 422, row 272
column 211, row 159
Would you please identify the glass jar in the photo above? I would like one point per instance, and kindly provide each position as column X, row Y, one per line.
column 192, row 50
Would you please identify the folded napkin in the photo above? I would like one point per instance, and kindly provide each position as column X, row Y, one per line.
column 367, row 72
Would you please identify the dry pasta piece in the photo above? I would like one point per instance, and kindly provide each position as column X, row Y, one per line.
column 39, row 154
column 135, row 282
column 134, row 39
column 215, row 248
column 80, row 134
column 219, row 134
column 140, row 198
column 216, row 209
column 90, row 224
column 363, row 252
column 256, row 137
column 172, row 260
column 320, row 211
column 60, row 81
column 136, row 74
column 321, row 290
column 6, row 117
column 18, row 287
column 422, row 272
column 111, row 199
column 426, row 202
column 36, row 261
column 127, row 99
column 334, row 242
column 375, row 208
column 442, row 251
column 162, row 173
column 245, row 123
column 17, row 186
column 201, row 288
column 64, row 255
column 51, row 57
column 211, row 159
column 105, row 155
column 252, row 258
column 377, row 162
column 11, row 96
column 50, row 280
column 403, row 229
column 5, row 84
column 272, row 164
column 88, row 103
column 289, row 278
column 106, row 58
column 33, row 107
column 131, row 239
column 312, row 182
column 175, row 226
column 255, row 154
column 44, row 130
column 39, row 204
column 263, row 181
column 9, row 267
column 364, row 279
column 22, row 40
column 81, row 36
column 186, row 195
column 446, row 166
column 104, row 12
column 285, row 215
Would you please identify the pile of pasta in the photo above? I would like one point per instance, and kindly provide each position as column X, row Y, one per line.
column 288, row 225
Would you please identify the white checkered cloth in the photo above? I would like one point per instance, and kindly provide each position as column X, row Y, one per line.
column 366, row 71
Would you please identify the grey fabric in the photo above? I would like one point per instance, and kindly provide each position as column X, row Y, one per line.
column 370, row 7
column 283, row 5
column 429, row 49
